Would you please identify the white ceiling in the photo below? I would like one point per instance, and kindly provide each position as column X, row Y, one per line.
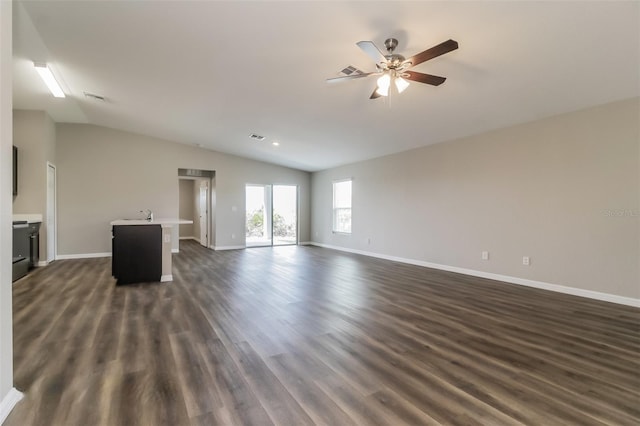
column 211, row 73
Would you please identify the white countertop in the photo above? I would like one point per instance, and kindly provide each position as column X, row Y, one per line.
column 30, row 218
column 163, row 222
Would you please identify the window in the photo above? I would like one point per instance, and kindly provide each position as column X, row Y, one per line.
column 342, row 206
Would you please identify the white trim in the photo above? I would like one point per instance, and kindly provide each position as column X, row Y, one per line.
column 165, row 278
column 52, row 228
column 606, row 297
column 228, row 247
column 42, row 263
column 187, row 238
column 306, row 243
column 175, row 250
column 212, row 247
column 82, row 255
column 8, row 402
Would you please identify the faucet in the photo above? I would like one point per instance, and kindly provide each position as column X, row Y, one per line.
column 149, row 214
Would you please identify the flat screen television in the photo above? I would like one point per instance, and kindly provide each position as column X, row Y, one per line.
column 15, row 170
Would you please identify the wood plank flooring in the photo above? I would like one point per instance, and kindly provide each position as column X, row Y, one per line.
column 304, row 335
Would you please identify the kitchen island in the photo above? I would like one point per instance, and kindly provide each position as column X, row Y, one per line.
column 141, row 250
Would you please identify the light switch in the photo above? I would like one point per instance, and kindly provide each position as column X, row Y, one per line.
column 167, row 238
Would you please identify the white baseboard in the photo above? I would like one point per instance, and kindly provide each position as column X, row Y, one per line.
column 166, row 278
column 8, row 402
column 175, row 250
column 82, row 255
column 228, row 247
column 606, row 297
column 42, row 263
column 187, row 238
column 305, row 243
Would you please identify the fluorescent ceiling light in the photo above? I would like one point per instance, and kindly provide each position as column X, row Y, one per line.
column 49, row 79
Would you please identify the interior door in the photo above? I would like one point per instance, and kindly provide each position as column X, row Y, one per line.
column 204, row 213
column 285, row 215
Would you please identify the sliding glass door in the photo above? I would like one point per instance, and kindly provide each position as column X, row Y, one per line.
column 285, row 215
column 271, row 215
column 258, row 213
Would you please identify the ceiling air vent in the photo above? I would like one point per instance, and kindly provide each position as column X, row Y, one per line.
column 351, row 70
column 256, row 137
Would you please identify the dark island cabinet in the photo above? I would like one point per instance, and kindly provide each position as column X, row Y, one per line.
column 137, row 253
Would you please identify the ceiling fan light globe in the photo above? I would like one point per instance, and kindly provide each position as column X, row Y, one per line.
column 382, row 91
column 383, row 85
column 401, row 84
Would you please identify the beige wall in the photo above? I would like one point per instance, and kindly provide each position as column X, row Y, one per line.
column 34, row 134
column 564, row 191
column 6, row 141
column 106, row 174
column 185, row 210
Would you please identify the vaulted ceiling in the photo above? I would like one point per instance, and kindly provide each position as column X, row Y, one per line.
column 210, row 73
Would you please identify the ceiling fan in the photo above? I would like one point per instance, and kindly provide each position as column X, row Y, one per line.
column 393, row 67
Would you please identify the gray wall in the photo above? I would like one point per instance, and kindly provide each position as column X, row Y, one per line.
column 106, row 174
column 564, row 191
column 185, row 209
column 34, row 133
column 6, row 140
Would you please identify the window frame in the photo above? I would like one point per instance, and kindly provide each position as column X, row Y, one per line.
column 334, row 221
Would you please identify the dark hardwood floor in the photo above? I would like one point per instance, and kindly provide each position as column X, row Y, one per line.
column 303, row 335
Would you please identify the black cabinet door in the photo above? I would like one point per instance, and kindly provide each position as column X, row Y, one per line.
column 137, row 253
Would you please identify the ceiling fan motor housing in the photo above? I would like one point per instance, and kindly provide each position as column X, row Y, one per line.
column 394, row 60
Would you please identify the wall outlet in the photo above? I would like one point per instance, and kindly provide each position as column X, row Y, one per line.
column 485, row 255
column 233, row 236
column 167, row 238
column 316, row 233
column 526, row 261
column 368, row 241
column 234, row 209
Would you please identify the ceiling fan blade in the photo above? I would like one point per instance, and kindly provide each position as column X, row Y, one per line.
column 350, row 77
column 375, row 94
column 372, row 50
column 435, row 51
column 433, row 80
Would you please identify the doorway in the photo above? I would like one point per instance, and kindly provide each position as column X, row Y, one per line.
column 271, row 215
column 197, row 195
